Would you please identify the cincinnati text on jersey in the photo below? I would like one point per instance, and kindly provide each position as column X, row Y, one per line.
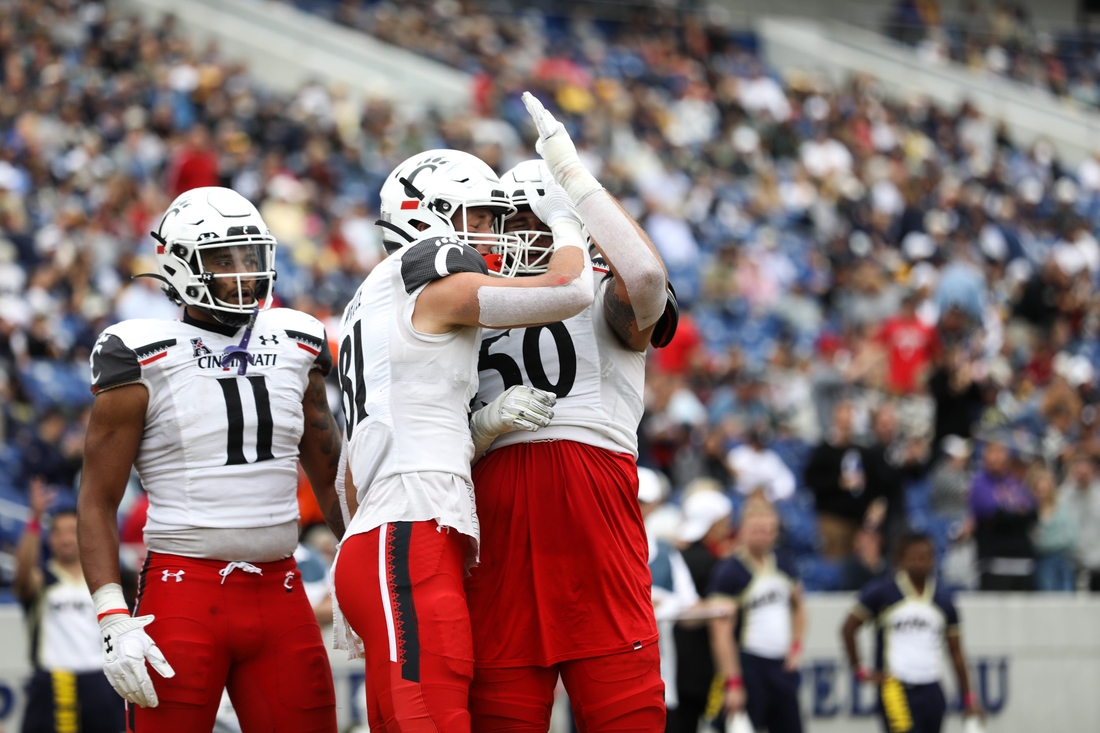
column 214, row 361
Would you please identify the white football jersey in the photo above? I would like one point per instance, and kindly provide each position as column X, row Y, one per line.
column 64, row 633
column 219, row 450
column 406, row 395
column 598, row 380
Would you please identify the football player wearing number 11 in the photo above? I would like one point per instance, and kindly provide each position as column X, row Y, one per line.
column 564, row 587
column 215, row 411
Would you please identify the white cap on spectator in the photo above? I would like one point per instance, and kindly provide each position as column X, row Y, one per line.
column 1089, row 248
column 1076, row 370
column 1070, row 260
column 9, row 176
column 1030, row 190
column 1080, row 371
column 956, row 447
column 937, row 223
column 923, row 275
column 1018, row 271
column 1065, row 191
column 746, row 140
column 650, row 486
column 286, row 188
column 701, row 510
column 992, row 241
column 918, row 246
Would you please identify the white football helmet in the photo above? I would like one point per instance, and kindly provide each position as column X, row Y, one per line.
column 530, row 252
column 209, row 236
column 422, row 195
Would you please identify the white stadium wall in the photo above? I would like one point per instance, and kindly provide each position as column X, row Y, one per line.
column 1046, row 15
column 1035, row 663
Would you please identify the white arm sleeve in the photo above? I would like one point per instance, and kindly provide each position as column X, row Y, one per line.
column 509, row 307
column 628, row 253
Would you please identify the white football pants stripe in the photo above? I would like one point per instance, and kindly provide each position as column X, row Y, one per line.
column 384, row 586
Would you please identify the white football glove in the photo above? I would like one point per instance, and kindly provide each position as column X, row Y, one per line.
column 126, row 646
column 519, row 408
column 554, row 203
column 557, row 149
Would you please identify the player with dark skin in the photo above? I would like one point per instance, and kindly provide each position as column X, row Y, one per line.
column 117, row 424
column 918, row 560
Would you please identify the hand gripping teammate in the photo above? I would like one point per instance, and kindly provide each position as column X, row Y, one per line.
column 215, row 411
column 564, row 586
column 409, row 343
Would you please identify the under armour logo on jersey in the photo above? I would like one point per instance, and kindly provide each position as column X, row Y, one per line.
column 178, row 575
column 273, row 339
column 197, row 347
column 289, row 578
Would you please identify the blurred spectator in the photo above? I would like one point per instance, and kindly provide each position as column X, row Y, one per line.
column 194, row 165
column 1001, row 39
column 951, row 479
column 891, row 461
column 704, row 536
column 836, row 475
column 957, row 395
column 866, row 563
column 67, row 688
column 758, row 470
column 910, row 345
column 1004, row 513
column 1081, row 495
column 1055, row 534
column 760, row 661
column 47, row 455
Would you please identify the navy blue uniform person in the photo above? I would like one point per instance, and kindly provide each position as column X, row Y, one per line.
column 914, row 620
column 759, row 649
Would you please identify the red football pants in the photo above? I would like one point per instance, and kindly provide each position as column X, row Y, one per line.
column 619, row 692
column 251, row 633
column 400, row 587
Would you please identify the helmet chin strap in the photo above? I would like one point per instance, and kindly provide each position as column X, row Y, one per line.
column 239, row 353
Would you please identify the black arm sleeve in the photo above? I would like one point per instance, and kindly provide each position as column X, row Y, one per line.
column 438, row 257
column 113, row 364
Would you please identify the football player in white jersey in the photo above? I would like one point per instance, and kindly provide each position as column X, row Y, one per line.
column 215, row 411
column 564, row 587
column 409, row 343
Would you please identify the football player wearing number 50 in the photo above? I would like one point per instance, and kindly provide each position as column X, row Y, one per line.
column 214, row 411
column 565, row 584
column 409, row 343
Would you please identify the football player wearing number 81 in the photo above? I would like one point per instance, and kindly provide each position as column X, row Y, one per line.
column 409, row 343
column 214, row 411
column 565, row 584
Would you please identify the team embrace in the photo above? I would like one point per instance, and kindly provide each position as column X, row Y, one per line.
column 484, row 488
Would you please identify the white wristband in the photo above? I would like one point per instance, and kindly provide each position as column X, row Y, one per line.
column 568, row 233
column 109, row 598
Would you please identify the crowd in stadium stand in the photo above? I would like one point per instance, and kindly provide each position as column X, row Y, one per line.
column 1002, row 38
column 889, row 309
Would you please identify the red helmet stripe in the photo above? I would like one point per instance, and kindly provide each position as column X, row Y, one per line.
column 410, row 204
